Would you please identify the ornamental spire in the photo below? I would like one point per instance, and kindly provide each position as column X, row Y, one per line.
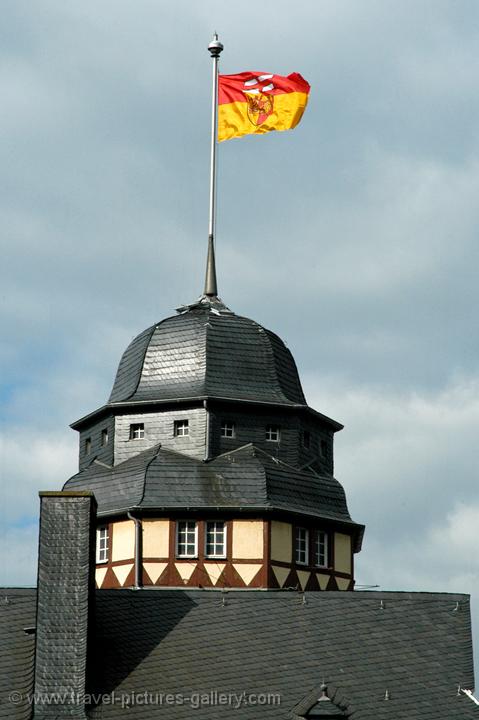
column 211, row 289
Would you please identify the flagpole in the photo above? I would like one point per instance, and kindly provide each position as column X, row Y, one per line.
column 215, row 48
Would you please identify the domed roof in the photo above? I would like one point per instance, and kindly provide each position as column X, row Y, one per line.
column 207, row 351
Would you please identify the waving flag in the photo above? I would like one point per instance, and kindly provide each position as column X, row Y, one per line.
column 256, row 102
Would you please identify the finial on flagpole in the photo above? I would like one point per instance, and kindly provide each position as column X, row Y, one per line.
column 215, row 47
column 211, row 290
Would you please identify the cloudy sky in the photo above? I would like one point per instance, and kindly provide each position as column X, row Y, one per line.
column 354, row 237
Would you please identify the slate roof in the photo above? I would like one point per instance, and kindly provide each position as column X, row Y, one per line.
column 412, row 648
column 207, row 351
column 246, row 479
column 17, row 612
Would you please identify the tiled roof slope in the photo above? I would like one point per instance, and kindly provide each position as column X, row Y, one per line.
column 387, row 656
column 17, row 612
column 207, row 351
column 412, row 648
column 248, row 478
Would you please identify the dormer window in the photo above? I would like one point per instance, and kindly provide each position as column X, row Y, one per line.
column 228, row 429
column 306, row 439
column 137, row 431
column 181, row 428
column 323, row 448
column 104, row 437
column 87, row 446
column 272, row 433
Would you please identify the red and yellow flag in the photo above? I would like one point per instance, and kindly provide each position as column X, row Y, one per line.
column 257, row 102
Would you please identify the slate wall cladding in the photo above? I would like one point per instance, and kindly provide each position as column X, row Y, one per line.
column 159, row 428
column 104, row 453
column 250, row 427
column 65, row 590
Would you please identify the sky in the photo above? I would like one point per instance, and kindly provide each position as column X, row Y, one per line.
column 354, row 237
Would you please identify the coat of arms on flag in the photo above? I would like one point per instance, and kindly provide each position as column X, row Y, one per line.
column 257, row 102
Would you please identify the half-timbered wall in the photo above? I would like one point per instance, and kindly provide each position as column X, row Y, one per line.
column 259, row 554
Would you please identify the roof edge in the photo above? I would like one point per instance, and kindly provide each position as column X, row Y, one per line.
column 135, row 404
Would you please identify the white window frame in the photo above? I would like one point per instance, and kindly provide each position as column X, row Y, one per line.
column 321, row 535
column 179, row 427
column 187, row 555
column 301, row 545
column 216, row 555
column 102, row 552
column 105, row 439
column 273, row 433
column 137, row 431
column 228, row 429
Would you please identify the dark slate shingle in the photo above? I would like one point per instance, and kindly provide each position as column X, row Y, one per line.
column 245, row 478
column 404, row 661
column 17, row 612
column 208, row 351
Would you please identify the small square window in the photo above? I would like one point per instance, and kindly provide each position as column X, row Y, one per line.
column 186, row 539
column 181, row 428
column 301, row 546
column 104, row 437
column 306, row 439
column 272, row 433
column 102, row 544
column 137, row 431
column 215, row 539
column 87, row 446
column 321, row 549
column 323, row 448
column 228, row 429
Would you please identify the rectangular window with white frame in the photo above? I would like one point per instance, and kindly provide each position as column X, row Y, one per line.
column 186, row 539
column 273, row 433
column 215, row 539
column 137, row 431
column 102, row 544
column 321, row 549
column 228, row 429
column 301, row 546
column 181, row 428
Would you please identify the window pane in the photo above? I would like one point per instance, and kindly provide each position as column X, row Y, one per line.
column 321, row 549
column 181, row 428
column 102, row 544
column 272, row 433
column 137, row 431
column 227, row 429
column 301, row 545
column 215, row 539
column 186, row 538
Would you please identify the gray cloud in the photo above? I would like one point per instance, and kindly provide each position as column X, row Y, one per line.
column 354, row 237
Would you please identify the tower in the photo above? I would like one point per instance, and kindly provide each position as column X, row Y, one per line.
column 208, row 465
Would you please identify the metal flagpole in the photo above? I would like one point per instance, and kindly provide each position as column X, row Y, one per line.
column 215, row 48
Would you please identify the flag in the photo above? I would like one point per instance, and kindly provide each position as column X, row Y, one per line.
column 256, row 102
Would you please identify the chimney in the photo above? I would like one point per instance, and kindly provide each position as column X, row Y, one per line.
column 64, row 603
